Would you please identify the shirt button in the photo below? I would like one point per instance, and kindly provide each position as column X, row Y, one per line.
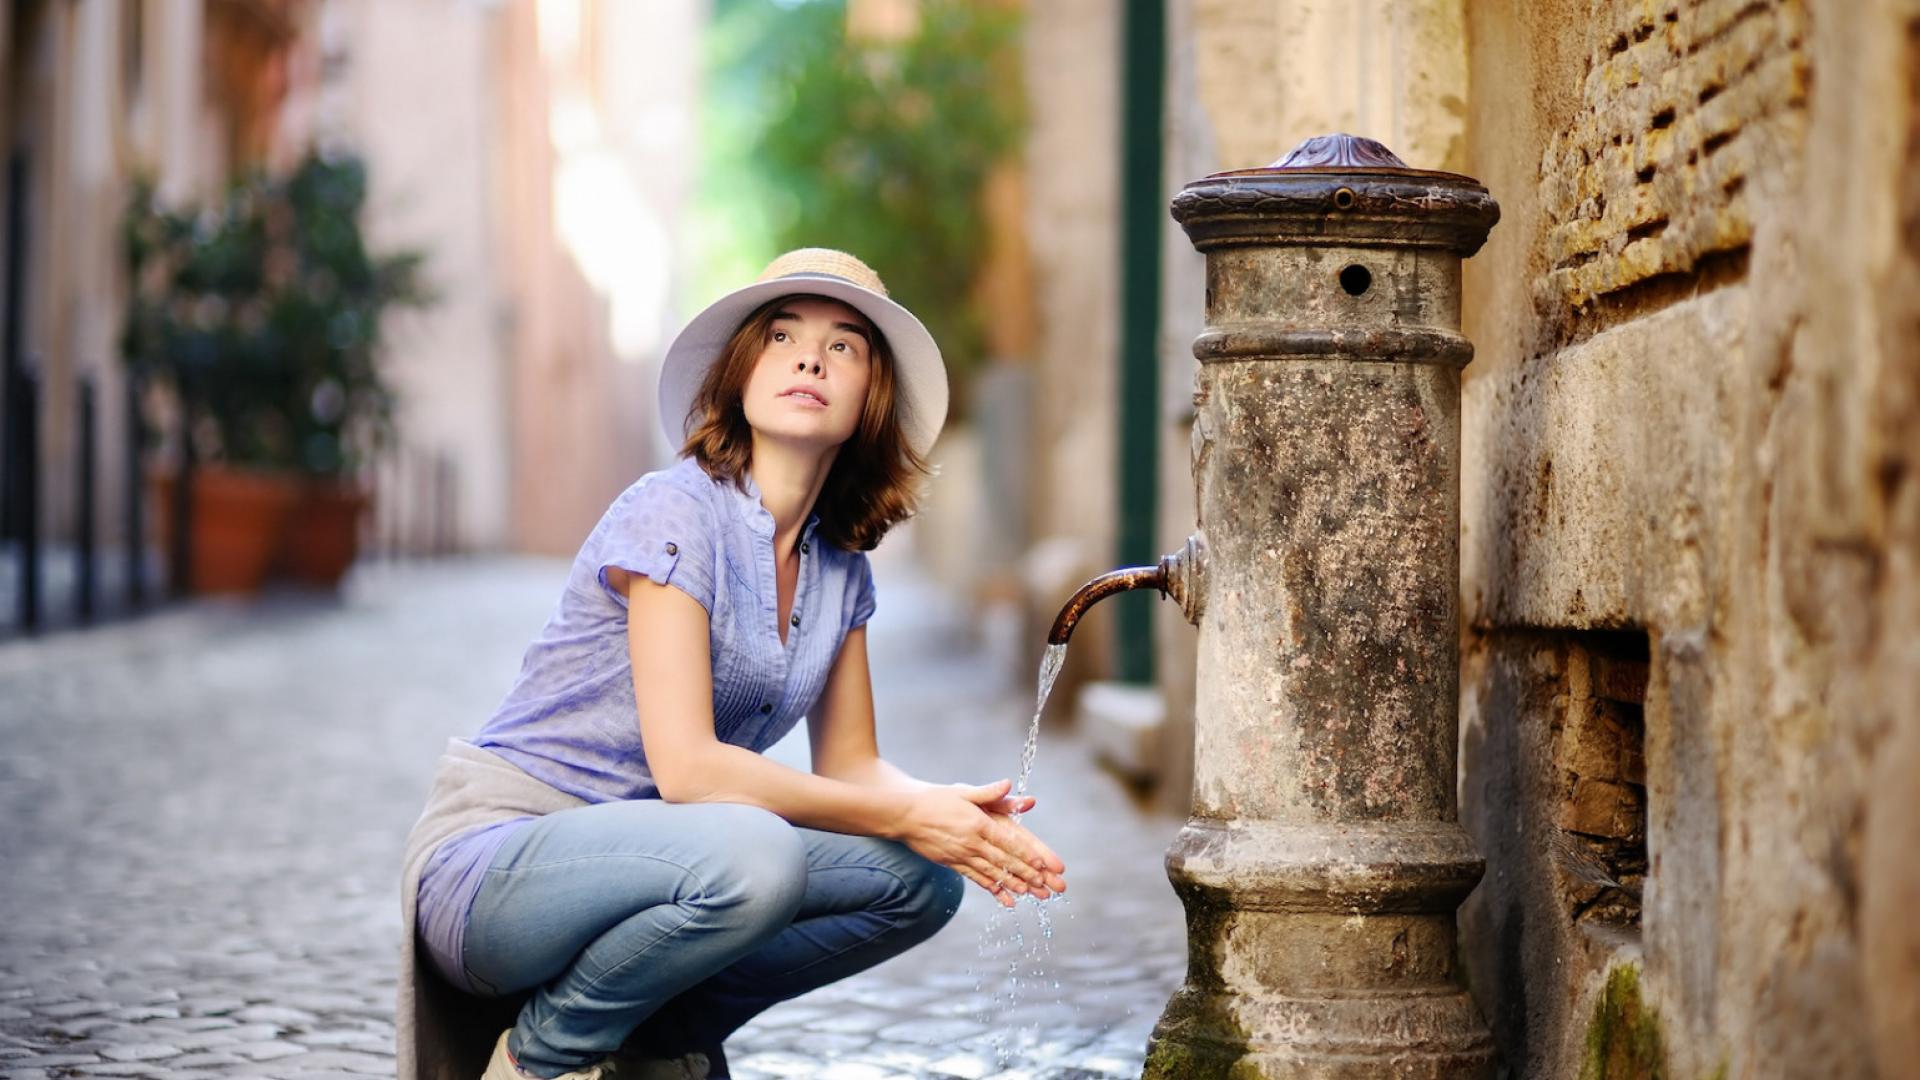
column 795, row 620
column 673, row 548
column 764, row 709
column 803, row 549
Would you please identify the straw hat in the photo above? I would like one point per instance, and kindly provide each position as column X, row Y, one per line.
column 920, row 378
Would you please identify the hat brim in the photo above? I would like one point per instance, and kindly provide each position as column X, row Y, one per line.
column 920, row 376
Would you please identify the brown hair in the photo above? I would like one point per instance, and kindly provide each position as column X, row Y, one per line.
column 873, row 483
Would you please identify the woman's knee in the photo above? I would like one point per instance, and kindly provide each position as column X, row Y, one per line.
column 929, row 894
column 757, row 873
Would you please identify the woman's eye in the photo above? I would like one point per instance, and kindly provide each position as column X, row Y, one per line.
column 841, row 345
column 779, row 335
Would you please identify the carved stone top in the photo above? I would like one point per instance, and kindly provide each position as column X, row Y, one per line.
column 1337, row 190
column 1341, row 152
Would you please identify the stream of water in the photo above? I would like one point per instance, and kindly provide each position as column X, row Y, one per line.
column 1050, row 663
column 996, row 937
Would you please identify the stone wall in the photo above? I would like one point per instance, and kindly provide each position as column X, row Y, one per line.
column 1690, row 524
column 1689, row 530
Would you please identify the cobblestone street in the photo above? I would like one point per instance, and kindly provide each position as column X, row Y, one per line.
column 205, row 811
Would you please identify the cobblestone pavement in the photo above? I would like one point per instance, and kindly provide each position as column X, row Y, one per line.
column 204, row 810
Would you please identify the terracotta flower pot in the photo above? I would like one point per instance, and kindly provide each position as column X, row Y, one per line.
column 323, row 531
column 236, row 520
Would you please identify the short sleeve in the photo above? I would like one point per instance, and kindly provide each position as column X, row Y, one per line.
column 660, row 531
column 860, row 586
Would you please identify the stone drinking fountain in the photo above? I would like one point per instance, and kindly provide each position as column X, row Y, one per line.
column 1324, row 859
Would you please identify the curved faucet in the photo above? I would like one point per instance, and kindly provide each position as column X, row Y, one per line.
column 1177, row 576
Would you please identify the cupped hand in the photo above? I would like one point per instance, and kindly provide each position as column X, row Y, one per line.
column 970, row 829
column 1051, row 867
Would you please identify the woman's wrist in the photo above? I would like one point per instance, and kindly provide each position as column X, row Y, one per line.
column 896, row 812
column 880, row 775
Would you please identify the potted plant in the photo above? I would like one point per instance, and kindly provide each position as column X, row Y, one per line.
column 260, row 317
column 342, row 411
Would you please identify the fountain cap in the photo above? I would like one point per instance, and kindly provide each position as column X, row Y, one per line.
column 1340, row 151
column 1337, row 189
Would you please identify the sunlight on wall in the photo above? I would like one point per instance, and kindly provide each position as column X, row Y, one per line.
column 600, row 214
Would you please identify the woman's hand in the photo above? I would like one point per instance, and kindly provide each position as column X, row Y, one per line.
column 969, row 829
column 1011, row 805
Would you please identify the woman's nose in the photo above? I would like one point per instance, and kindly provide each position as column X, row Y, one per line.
column 808, row 364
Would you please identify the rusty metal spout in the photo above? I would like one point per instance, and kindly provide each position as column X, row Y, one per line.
column 1117, row 581
column 1176, row 576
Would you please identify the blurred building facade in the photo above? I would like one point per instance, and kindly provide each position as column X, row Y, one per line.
column 1070, row 220
column 93, row 91
column 597, row 158
column 528, row 150
column 1691, row 525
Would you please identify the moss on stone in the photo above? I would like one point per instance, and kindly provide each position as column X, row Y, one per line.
column 1168, row 1062
column 1198, row 1037
column 1623, row 1038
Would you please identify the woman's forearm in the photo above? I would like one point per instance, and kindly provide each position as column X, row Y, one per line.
column 874, row 772
column 720, row 772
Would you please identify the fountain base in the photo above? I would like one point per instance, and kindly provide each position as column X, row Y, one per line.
column 1321, row 951
column 1216, row 1036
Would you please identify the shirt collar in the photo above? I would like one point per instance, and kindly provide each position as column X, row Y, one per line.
column 755, row 512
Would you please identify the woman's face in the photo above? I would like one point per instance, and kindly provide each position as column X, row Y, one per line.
column 809, row 387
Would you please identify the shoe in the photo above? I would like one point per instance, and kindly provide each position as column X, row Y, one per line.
column 502, row 1067
column 685, row 1067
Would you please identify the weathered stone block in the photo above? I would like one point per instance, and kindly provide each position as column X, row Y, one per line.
column 1603, row 808
column 1594, row 745
column 1621, row 680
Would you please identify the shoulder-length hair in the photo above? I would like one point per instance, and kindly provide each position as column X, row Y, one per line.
column 874, row 483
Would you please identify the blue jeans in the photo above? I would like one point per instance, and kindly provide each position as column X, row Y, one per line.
column 661, row 927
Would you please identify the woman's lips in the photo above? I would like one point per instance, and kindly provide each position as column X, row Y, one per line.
column 806, row 398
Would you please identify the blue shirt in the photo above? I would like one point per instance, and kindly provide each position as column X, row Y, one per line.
column 571, row 719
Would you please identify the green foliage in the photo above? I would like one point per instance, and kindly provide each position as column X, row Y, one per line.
column 877, row 148
column 262, row 312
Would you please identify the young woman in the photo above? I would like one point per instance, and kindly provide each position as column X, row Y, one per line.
column 612, row 854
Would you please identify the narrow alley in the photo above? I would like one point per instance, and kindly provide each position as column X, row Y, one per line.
column 142, row 939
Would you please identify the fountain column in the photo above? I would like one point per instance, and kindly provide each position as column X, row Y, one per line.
column 1324, row 859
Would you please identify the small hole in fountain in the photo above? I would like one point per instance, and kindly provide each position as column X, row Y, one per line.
column 1356, row 279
